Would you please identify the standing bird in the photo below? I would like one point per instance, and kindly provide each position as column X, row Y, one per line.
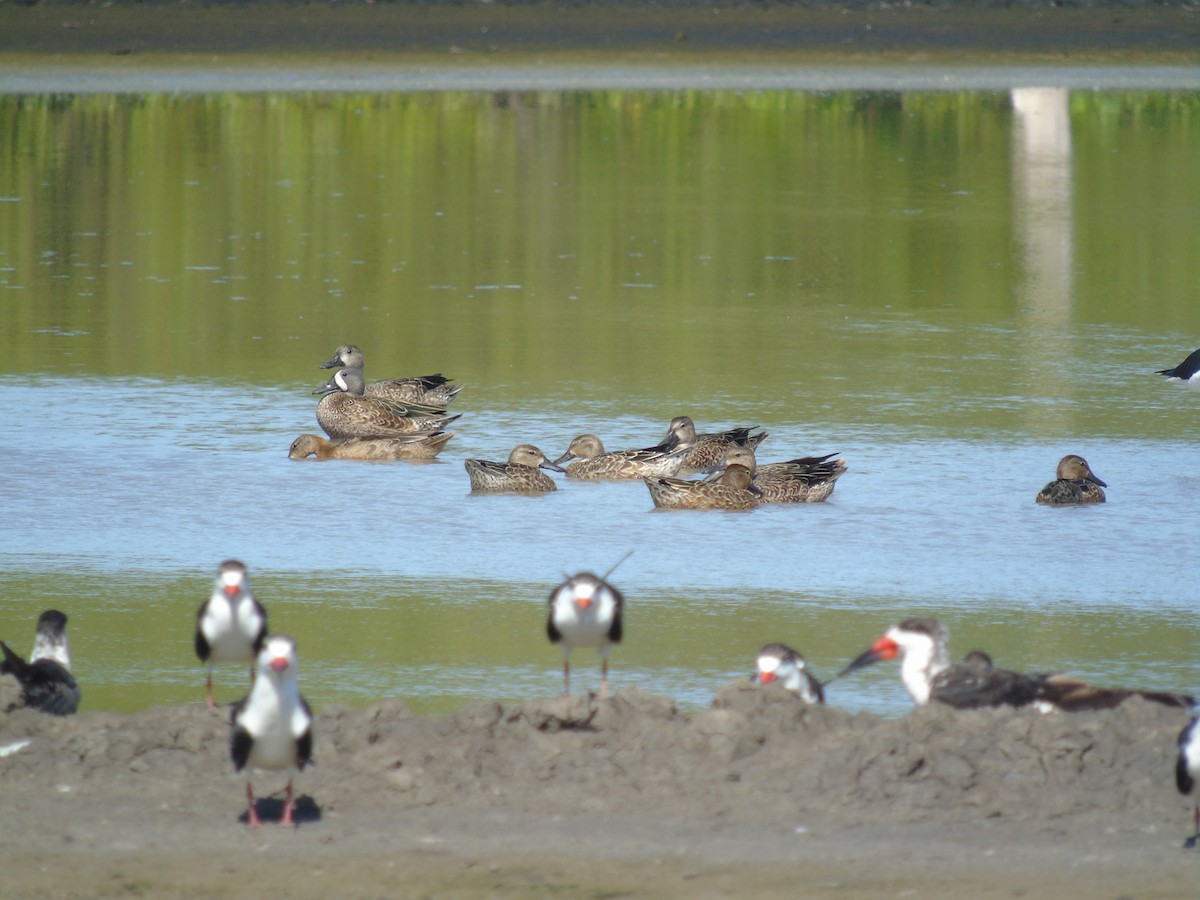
column 231, row 625
column 1074, row 483
column 1187, row 372
column 518, row 475
column 1187, row 770
column 272, row 725
column 780, row 664
column 46, row 680
column 429, row 390
column 585, row 611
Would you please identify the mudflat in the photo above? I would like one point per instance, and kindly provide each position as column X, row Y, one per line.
column 759, row 795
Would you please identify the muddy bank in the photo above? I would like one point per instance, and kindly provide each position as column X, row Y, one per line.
column 758, row 791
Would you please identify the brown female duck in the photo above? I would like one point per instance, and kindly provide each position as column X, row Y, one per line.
column 1075, row 483
column 591, row 461
column 732, row 489
column 807, row 479
column 706, row 449
column 412, row 446
column 519, row 475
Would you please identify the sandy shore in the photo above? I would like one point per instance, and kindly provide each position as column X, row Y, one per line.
column 757, row 796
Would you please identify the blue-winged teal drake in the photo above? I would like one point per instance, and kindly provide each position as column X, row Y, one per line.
column 585, row 611
column 706, row 449
column 1074, row 483
column 1187, row 372
column 430, row 390
column 345, row 413
column 520, row 474
column 807, row 479
column 409, row 446
column 732, row 489
column 592, row 461
column 46, row 681
column 780, row 664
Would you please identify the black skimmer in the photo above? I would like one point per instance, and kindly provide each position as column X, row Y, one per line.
column 780, row 664
column 46, row 680
column 1072, row 695
column 1187, row 770
column 231, row 624
column 1074, row 482
column 1187, row 372
column 585, row 611
column 272, row 725
column 927, row 673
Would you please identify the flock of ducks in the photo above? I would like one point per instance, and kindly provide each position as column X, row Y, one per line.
column 271, row 727
column 406, row 418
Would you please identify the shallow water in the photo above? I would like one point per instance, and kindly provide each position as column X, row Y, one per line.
column 952, row 290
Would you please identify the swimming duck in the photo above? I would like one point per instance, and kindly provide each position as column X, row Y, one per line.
column 592, row 461
column 520, row 474
column 344, row 412
column 46, row 681
column 412, row 446
column 780, row 664
column 1074, row 483
column 429, row 390
column 1187, row 372
column 732, row 489
column 706, row 449
column 807, row 479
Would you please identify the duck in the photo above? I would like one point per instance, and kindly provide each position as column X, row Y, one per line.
column 733, row 489
column 345, row 412
column 231, row 624
column 592, row 461
column 806, row 479
column 1186, row 373
column 780, row 664
column 271, row 727
column 518, row 475
column 1074, row 483
column 414, row 446
column 428, row 390
column 47, row 684
column 706, row 449
column 585, row 611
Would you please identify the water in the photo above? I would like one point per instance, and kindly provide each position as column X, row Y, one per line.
column 952, row 290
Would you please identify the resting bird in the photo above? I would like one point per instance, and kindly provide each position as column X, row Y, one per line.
column 1187, row 372
column 780, row 664
column 46, row 681
column 1187, row 770
column 1074, row 482
column 230, row 625
column 585, row 611
column 272, row 725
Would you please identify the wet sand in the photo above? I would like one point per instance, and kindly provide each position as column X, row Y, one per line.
column 758, row 795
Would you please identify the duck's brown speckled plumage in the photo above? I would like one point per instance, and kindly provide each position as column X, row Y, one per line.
column 706, row 450
column 1075, row 483
column 592, row 461
column 414, row 446
column 807, row 479
column 345, row 413
column 733, row 489
column 520, row 474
